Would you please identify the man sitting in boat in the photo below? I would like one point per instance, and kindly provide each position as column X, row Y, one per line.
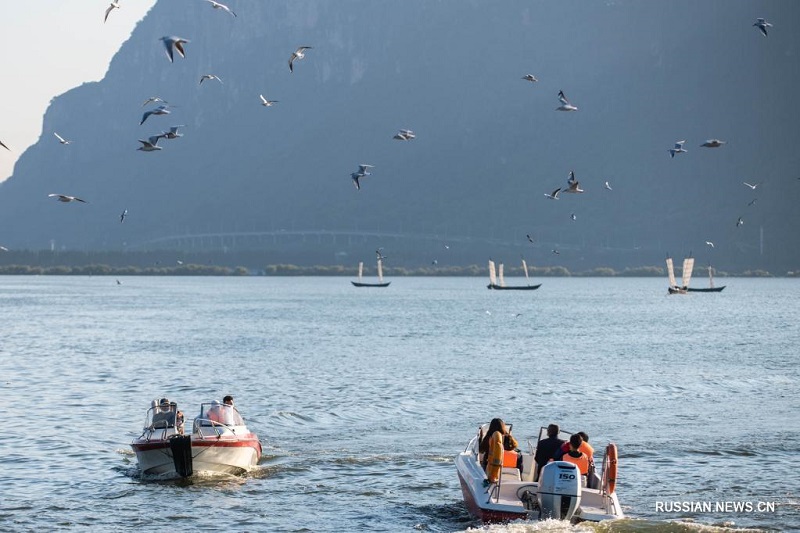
column 575, row 456
column 547, row 448
column 585, row 448
column 164, row 414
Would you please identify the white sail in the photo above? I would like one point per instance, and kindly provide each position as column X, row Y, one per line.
column 688, row 266
column 710, row 276
column 492, row 275
column 380, row 270
column 525, row 268
column 360, row 270
column 670, row 272
column 500, row 279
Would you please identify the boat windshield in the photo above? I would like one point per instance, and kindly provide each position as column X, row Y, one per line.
column 221, row 413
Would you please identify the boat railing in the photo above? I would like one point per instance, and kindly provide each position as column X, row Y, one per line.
column 219, row 428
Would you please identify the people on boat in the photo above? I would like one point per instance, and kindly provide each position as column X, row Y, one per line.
column 179, row 422
column 547, row 448
column 216, row 413
column 228, row 400
column 494, row 444
column 575, row 456
column 585, row 448
column 164, row 414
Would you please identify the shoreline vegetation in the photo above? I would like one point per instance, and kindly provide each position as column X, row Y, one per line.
column 340, row 270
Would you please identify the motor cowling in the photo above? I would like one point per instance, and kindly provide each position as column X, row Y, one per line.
column 559, row 490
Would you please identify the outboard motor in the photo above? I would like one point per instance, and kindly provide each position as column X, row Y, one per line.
column 559, row 490
column 181, row 447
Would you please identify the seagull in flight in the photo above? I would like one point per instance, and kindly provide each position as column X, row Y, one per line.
column 154, row 99
column 172, row 43
column 111, row 7
column 553, row 195
column 762, row 25
column 379, row 255
column 61, row 139
column 160, row 110
column 362, row 172
column 4, row 146
column 574, row 185
column 751, row 186
column 3, row 249
column 205, row 77
column 530, row 239
column 65, row 198
column 298, row 55
column 678, row 149
column 710, row 244
column 530, row 77
column 172, row 133
column 265, row 102
column 565, row 105
column 713, row 143
column 556, row 252
column 122, row 216
column 150, row 145
column 607, row 186
column 223, row 7
column 405, row 135
column 739, row 222
column 573, row 217
column 751, row 202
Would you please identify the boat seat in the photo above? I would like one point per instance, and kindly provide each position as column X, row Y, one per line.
column 511, row 474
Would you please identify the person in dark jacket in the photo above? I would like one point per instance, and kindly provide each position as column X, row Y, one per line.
column 547, row 448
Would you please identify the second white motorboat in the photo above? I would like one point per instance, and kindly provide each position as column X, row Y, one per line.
column 559, row 492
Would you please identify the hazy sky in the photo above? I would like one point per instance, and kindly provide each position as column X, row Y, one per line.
column 49, row 47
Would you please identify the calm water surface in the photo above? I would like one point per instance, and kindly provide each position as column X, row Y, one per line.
column 363, row 396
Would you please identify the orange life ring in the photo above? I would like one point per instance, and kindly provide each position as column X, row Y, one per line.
column 610, row 468
column 494, row 464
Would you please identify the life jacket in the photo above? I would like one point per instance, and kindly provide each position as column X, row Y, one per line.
column 581, row 461
column 494, row 464
column 585, row 447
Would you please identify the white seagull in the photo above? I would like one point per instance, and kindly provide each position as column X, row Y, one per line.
column 154, row 99
column 739, row 222
column 553, row 195
column 574, row 185
column 61, row 139
column 362, row 172
column 209, row 77
column 150, row 145
column 122, row 216
column 607, row 186
column 565, row 105
column 713, row 143
column 751, row 186
column 3, row 249
column 530, row 77
column 709, row 243
column 404, row 135
column 573, row 217
column 174, row 43
column 265, row 102
column 160, row 110
column 217, row 5
column 65, row 198
column 172, row 133
column 762, row 25
column 297, row 54
column 679, row 149
column 111, row 7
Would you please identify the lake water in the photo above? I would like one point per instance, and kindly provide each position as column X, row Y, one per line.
column 362, row 397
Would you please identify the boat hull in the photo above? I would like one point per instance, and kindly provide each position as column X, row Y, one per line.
column 709, row 289
column 495, row 287
column 225, row 456
column 359, row 284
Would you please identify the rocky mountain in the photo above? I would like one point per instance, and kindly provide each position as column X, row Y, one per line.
column 488, row 143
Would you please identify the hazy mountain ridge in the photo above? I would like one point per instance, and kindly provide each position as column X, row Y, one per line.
column 488, row 143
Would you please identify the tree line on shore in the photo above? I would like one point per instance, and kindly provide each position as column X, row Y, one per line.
column 340, row 270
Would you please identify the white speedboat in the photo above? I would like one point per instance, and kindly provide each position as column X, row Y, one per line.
column 559, row 492
column 219, row 441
